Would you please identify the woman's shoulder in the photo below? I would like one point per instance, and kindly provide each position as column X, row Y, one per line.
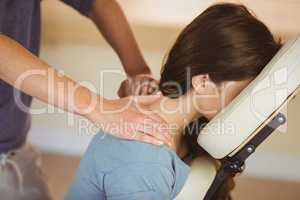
column 109, row 150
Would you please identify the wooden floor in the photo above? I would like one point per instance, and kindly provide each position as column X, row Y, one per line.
column 59, row 171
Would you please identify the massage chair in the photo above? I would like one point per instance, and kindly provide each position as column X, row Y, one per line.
column 234, row 134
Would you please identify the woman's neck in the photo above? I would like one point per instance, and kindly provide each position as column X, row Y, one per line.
column 178, row 113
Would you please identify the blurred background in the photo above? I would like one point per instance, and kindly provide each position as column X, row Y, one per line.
column 72, row 43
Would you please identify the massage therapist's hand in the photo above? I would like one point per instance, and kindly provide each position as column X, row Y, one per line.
column 128, row 118
column 141, row 84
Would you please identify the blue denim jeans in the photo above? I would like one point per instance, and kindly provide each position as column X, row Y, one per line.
column 114, row 169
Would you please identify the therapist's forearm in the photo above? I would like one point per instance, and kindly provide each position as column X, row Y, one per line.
column 26, row 72
column 111, row 21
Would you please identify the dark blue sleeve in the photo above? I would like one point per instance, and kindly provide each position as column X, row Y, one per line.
column 82, row 6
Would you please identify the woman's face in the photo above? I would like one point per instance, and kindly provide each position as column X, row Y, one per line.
column 211, row 98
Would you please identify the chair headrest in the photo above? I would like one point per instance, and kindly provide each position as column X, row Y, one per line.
column 255, row 104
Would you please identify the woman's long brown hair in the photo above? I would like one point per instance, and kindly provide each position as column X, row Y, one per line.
column 227, row 42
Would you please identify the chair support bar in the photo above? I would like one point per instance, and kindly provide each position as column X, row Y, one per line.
column 230, row 166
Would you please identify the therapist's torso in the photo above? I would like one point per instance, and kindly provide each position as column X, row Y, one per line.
column 20, row 20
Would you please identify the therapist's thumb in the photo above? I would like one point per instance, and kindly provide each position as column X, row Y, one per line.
column 147, row 99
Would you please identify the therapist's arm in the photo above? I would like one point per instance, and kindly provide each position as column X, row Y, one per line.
column 111, row 21
column 26, row 72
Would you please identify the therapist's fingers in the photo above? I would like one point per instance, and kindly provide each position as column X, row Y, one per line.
column 151, row 122
column 151, row 90
column 145, row 87
column 144, row 131
column 143, row 84
column 154, row 87
column 150, row 87
column 148, row 139
column 147, row 100
column 127, row 116
column 124, row 89
column 155, row 127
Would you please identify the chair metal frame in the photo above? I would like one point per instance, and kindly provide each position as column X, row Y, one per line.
column 231, row 166
column 235, row 163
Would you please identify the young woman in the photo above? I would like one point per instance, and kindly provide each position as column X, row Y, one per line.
column 213, row 59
